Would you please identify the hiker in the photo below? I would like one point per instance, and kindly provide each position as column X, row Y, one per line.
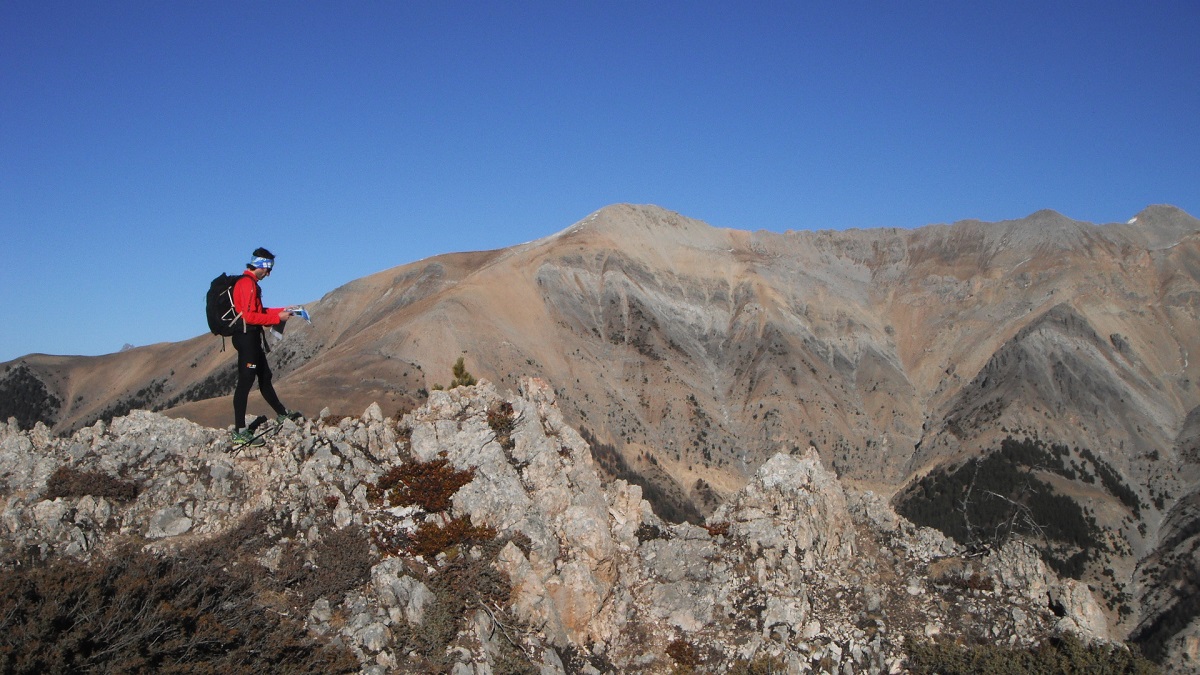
column 250, row 342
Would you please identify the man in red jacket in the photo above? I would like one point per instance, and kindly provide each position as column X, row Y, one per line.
column 250, row 343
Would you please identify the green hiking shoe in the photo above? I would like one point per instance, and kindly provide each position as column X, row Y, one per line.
column 243, row 438
column 289, row 415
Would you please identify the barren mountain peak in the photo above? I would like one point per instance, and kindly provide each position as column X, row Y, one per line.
column 1160, row 226
column 1165, row 212
column 639, row 221
column 1049, row 219
column 656, row 236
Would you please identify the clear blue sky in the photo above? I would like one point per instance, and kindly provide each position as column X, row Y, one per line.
column 147, row 146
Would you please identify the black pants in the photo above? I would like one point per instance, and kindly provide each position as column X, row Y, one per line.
column 252, row 365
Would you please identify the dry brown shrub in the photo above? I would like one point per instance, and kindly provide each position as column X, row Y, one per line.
column 68, row 482
column 502, row 421
column 197, row 611
column 431, row 539
column 718, row 529
column 429, row 485
column 340, row 561
column 683, row 653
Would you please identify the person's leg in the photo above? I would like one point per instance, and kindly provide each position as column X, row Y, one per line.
column 267, row 389
column 247, row 367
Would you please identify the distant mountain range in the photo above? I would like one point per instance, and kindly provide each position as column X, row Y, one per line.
column 687, row 355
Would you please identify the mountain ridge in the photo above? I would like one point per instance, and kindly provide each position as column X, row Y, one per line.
column 696, row 353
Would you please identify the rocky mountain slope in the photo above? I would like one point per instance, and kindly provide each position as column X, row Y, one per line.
column 475, row 535
column 1047, row 352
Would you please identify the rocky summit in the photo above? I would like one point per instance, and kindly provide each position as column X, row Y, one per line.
column 475, row 535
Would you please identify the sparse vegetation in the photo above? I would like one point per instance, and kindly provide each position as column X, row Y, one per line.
column 1113, row 483
column 464, row 578
column 25, row 397
column 68, row 482
column 463, row 585
column 647, row 532
column 1065, row 654
column 503, row 422
column 429, row 485
column 666, row 506
column 761, row 665
column 986, row 500
column 705, row 496
column 1154, row 636
column 340, row 561
column 142, row 399
column 684, row 654
column 220, row 383
column 199, row 611
column 430, row 539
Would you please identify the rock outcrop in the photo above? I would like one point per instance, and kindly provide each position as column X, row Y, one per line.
column 795, row 569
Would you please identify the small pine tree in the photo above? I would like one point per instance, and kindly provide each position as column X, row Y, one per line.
column 461, row 377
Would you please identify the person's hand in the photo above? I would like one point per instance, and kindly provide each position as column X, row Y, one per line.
column 284, row 316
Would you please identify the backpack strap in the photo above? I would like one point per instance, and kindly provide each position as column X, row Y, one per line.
column 237, row 316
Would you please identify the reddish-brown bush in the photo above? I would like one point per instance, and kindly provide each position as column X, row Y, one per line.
column 683, row 653
column 431, row 539
column 718, row 529
column 429, row 485
column 67, row 482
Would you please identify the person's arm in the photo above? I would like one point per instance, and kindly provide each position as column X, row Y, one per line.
column 245, row 301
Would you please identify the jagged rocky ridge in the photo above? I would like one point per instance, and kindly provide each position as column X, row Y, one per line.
column 795, row 569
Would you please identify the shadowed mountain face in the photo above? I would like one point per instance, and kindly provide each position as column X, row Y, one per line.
column 691, row 354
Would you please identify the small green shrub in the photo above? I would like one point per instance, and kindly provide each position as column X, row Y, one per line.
column 462, row 378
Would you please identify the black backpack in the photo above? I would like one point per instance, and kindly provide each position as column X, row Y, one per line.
column 218, row 305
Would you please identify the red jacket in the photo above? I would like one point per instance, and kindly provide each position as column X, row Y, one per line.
column 247, row 300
